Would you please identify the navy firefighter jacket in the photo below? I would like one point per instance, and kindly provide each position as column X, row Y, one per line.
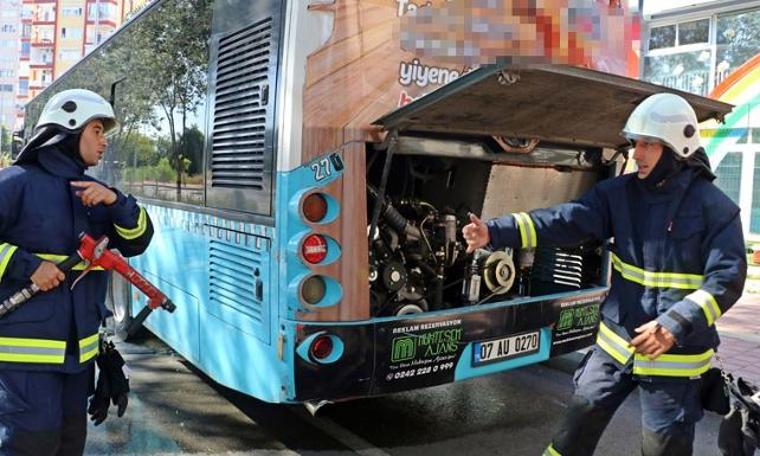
column 41, row 217
column 678, row 257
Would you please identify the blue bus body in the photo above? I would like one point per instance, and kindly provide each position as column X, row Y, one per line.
column 233, row 113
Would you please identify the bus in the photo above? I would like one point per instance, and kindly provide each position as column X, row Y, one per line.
column 309, row 166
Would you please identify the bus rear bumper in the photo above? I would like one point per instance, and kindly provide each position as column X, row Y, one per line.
column 389, row 355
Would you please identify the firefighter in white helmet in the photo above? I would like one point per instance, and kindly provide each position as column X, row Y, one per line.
column 48, row 345
column 678, row 265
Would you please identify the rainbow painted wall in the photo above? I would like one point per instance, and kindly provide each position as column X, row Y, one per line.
column 735, row 143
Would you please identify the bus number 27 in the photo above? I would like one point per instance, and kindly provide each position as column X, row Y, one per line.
column 322, row 169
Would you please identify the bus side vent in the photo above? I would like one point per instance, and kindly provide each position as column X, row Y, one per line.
column 234, row 285
column 239, row 141
column 556, row 270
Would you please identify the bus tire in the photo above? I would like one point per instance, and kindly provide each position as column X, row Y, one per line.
column 119, row 301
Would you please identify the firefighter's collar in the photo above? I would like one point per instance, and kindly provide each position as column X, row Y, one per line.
column 54, row 161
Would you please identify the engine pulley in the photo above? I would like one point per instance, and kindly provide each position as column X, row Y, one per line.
column 499, row 272
column 409, row 309
column 394, row 276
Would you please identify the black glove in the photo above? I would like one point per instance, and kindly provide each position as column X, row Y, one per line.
column 112, row 385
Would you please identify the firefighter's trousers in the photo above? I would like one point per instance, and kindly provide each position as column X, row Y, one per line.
column 43, row 413
column 670, row 408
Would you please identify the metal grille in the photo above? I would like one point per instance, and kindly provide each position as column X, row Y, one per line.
column 240, row 111
column 233, row 273
column 557, row 266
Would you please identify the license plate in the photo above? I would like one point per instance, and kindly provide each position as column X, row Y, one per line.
column 505, row 348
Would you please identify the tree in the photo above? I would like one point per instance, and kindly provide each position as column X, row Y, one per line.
column 738, row 37
column 162, row 62
column 191, row 146
column 6, row 139
column 178, row 65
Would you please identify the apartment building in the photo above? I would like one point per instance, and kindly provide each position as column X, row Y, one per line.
column 10, row 31
column 55, row 34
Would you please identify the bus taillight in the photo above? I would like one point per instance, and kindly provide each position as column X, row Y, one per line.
column 314, row 207
column 314, row 248
column 321, row 347
column 313, row 290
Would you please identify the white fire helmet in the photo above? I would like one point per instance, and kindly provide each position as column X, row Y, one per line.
column 75, row 108
column 668, row 119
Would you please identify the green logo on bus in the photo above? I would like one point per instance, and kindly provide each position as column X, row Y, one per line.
column 565, row 320
column 402, row 349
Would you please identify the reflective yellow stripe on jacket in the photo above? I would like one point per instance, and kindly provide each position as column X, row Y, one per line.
column 527, row 229
column 652, row 279
column 551, row 451
column 38, row 351
column 58, row 258
column 6, row 252
column 88, row 348
column 136, row 232
column 667, row 365
column 44, row 351
column 708, row 304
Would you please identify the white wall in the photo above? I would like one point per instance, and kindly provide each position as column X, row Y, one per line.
column 658, row 6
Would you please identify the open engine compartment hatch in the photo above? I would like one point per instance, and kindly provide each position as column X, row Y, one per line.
column 553, row 103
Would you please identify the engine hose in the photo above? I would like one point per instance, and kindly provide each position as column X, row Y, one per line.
column 394, row 217
column 380, row 195
column 438, row 293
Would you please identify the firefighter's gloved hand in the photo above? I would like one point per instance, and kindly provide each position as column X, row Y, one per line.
column 118, row 378
column 112, row 386
column 100, row 401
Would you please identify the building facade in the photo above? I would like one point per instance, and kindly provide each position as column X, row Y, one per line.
column 10, row 31
column 55, row 34
column 713, row 49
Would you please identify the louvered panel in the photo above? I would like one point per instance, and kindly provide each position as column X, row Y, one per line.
column 239, row 135
column 241, row 109
column 558, row 267
column 232, row 77
column 232, row 279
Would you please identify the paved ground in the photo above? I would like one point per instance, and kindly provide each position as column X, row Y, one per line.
column 176, row 411
column 739, row 330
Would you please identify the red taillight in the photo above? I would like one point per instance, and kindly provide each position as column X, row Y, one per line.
column 314, row 248
column 314, row 207
column 321, row 347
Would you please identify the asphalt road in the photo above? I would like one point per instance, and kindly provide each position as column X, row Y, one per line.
column 175, row 410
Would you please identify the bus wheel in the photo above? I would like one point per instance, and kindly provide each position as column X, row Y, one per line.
column 119, row 301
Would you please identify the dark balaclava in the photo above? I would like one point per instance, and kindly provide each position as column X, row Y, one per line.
column 53, row 139
column 69, row 145
column 667, row 166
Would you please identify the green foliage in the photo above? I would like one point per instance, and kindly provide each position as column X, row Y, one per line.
column 738, row 37
column 5, row 139
column 162, row 62
column 191, row 146
column 5, row 160
column 165, row 170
